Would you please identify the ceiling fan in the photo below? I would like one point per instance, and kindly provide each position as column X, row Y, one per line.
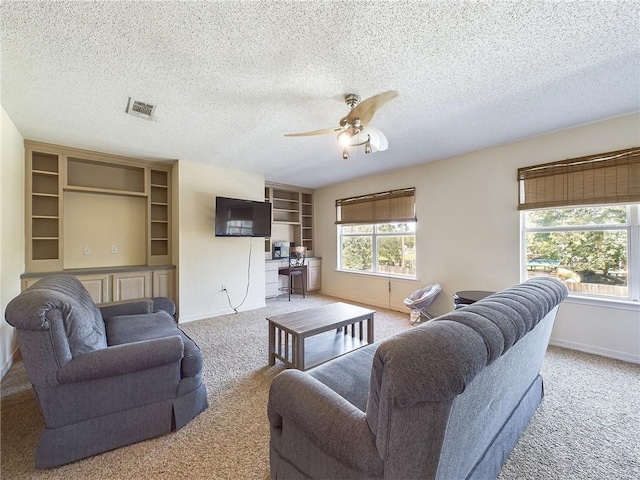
column 354, row 129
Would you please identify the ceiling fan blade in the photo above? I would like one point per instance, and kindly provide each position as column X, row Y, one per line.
column 367, row 108
column 315, row 132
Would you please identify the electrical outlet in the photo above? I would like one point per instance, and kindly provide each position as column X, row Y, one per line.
column 114, row 248
column 86, row 250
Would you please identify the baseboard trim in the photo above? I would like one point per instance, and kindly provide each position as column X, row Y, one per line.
column 15, row 355
column 372, row 302
column 604, row 352
column 217, row 313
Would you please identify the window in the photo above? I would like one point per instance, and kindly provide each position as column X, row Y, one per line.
column 388, row 248
column 594, row 250
column 376, row 233
column 581, row 223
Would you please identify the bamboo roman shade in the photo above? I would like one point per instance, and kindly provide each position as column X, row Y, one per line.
column 384, row 207
column 607, row 178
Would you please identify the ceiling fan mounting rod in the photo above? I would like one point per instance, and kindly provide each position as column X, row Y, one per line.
column 352, row 99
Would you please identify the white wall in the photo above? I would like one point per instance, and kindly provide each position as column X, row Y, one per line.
column 12, row 248
column 118, row 224
column 206, row 262
column 469, row 229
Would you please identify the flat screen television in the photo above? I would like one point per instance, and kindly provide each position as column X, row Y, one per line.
column 242, row 218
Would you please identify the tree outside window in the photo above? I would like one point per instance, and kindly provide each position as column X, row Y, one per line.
column 586, row 247
column 392, row 246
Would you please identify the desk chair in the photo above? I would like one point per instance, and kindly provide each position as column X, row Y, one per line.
column 296, row 268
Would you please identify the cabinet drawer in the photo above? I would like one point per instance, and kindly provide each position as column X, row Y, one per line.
column 271, row 276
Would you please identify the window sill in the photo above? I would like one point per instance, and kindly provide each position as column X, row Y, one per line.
column 378, row 275
column 607, row 302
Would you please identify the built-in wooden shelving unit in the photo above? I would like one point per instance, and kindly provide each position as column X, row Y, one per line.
column 53, row 170
column 292, row 206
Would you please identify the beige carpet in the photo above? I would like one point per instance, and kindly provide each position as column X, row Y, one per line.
column 582, row 430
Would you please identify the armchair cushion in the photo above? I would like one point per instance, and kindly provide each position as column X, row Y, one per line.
column 129, row 307
column 122, row 359
column 138, row 328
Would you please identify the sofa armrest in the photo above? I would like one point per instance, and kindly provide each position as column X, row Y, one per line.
column 330, row 422
column 128, row 307
column 122, row 359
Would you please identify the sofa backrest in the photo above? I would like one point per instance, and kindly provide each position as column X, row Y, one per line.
column 56, row 318
column 418, row 375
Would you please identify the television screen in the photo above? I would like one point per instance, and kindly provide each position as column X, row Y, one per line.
column 242, row 218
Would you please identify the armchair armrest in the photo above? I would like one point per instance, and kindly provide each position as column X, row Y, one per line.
column 122, row 359
column 128, row 307
column 329, row 421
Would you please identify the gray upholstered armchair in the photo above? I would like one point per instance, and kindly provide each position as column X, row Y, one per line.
column 104, row 377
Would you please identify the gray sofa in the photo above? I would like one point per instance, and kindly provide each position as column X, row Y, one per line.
column 447, row 399
column 104, row 377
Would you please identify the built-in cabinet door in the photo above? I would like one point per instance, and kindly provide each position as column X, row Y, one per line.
column 27, row 282
column 131, row 285
column 98, row 286
column 271, row 279
column 163, row 283
column 313, row 275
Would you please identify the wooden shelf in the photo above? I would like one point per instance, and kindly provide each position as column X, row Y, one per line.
column 50, row 195
column 324, row 347
column 106, row 191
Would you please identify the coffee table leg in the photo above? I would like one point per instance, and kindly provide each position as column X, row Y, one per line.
column 272, row 341
column 370, row 329
column 299, row 358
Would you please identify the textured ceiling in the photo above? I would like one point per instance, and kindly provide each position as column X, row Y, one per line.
column 230, row 78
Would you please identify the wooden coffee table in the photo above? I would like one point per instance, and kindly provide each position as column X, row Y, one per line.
column 307, row 338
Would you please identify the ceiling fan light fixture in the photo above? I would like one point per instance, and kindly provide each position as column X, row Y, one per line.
column 344, row 138
column 354, row 129
column 349, row 139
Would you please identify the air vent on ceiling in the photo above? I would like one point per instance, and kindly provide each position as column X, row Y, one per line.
column 140, row 109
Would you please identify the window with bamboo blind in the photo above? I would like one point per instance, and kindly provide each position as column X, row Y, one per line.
column 581, row 223
column 607, row 178
column 376, row 233
column 383, row 207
